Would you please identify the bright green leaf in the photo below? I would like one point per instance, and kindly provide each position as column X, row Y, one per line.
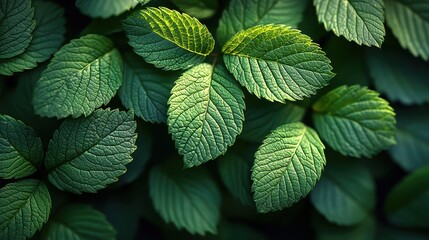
column 146, row 89
column 88, row 153
column 82, row 76
column 361, row 21
column 197, row 8
column 24, row 207
column 277, row 63
column 355, row 121
column 409, row 21
column 78, row 222
column 21, row 150
column 188, row 198
column 167, row 38
column 206, row 113
column 287, row 166
column 106, row 8
column 345, row 194
column 243, row 14
column 16, row 27
column 47, row 38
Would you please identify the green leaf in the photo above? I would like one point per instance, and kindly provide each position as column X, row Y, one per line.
column 78, row 221
column 355, row 121
column 399, row 75
column 47, row 38
column 24, row 207
column 406, row 204
column 88, row 153
column 277, row 63
column 82, row 76
column 243, row 14
column 106, row 8
column 197, row 8
column 206, row 113
column 345, row 194
column 412, row 134
column 409, row 21
column 287, row 166
column 146, row 89
column 16, row 26
column 188, row 198
column 168, row 39
column 356, row 20
column 21, row 150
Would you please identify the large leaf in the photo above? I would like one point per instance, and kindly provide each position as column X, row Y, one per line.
column 243, row 14
column 287, row 166
column 409, row 21
column 197, row 8
column 88, row 153
column 21, row 150
column 146, row 89
column 406, row 204
column 188, row 198
column 167, row 38
column 356, row 20
column 399, row 75
column 206, row 113
column 47, row 38
column 355, row 121
column 277, row 63
column 82, row 76
column 345, row 194
column 78, row 222
column 24, row 207
column 16, row 26
column 106, row 8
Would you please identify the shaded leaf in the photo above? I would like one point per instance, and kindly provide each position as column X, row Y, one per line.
column 197, row 8
column 106, row 8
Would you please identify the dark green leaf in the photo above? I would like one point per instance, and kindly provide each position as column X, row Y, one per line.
column 106, row 8
column 197, row 8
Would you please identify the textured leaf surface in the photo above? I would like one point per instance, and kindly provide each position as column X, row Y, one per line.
column 82, row 76
column 287, row 166
column 16, row 26
column 88, row 153
column 206, row 113
column 47, row 38
column 187, row 198
column 243, row 14
column 355, row 121
column 106, row 8
column 21, row 150
column 197, row 8
column 399, row 75
column 167, row 38
column 277, row 63
column 24, row 207
column 409, row 21
column 146, row 89
column 361, row 21
column 345, row 194
column 79, row 222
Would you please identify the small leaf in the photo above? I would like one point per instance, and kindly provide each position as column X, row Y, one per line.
column 345, row 194
column 78, row 221
column 277, row 63
column 409, row 21
column 355, row 121
column 47, row 38
column 146, row 89
column 168, row 39
column 356, row 20
column 106, row 8
column 287, row 166
column 24, row 207
column 197, row 8
column 206, row 113
column 88, row 153
column 187, row 198
column 243, row 14
column 82, row 76
column 16, row 26
column 21, row 150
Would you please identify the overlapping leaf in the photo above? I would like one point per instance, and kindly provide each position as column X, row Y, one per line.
column 197, row 8
column 167, row 38
column 277, row 63
column 106, row 8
